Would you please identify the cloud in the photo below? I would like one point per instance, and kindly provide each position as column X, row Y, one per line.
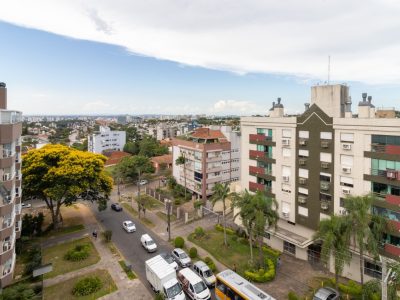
column 283, row 37
column 234, row 107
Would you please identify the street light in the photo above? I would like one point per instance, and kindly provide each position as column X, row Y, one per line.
column 168, row 207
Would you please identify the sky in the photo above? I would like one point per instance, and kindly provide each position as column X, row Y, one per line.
column 194, row 57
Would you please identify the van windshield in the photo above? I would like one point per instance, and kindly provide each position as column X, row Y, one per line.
column 174, row 290
column 199, row 287
column 207, row 273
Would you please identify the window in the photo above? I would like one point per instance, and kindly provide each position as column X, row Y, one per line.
column 326, row 135
column 346, row 160
column 346, row 181
column 286, row 152
column 347, row 137
column 303, row 191
column 303, row 134
column 303, row 211
column 326, row 157
column 286, row 133
column 303, row 173
column 303, row 153
column 289, row 248
column 372, row 269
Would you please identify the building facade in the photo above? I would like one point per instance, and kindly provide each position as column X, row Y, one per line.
column 212, row 156
column 312, row 161
column 106, row 140
column 10, row 187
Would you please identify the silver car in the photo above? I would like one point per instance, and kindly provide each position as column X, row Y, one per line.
column 181, row 257
column 326, row 293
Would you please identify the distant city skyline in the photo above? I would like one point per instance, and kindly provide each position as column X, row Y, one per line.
column 136, row 59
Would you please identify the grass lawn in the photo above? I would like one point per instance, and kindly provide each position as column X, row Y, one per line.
column 63, row 290
column 56, row 254
column 163, row 216
column 237, row 253
column 134, row 213
column 63, row 230
column 151, row 203
column 129, row 272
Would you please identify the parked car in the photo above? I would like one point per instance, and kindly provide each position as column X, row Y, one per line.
column 26, row 205
column 116, row 207
column 201, row 269
column 169, row 259
column 193, row 285
column 326, row 293
column 181, row 257
column 143, row 182
column 129, row 226
column 148, row 243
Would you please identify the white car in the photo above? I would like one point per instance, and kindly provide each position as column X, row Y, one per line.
column 148, row 243
column 181, row 257
column 129, row 226
column 26, row 205
column 143, row 182
column 169, row 259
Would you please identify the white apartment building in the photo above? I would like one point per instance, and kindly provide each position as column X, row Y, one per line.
column 212, row 156
column 105, row 140
column 311, row 162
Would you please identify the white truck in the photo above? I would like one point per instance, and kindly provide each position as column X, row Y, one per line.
column 162, row 278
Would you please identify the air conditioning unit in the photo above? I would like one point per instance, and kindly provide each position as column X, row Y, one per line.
column 346, row 146
column 325, row 165
column 324, row 144
column 302, row 180
column 346, row 191
column 346, row 170
column 285, row 214
column 302, row 161
column 342, row 212
column 285, row 178
column 286, row 142
column 303, row 142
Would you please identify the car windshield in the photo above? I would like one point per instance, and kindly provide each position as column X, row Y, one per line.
column 174, row 290
column 168, row 258
column 182, row 255
column 150, row 242
column 129, row 224
column 207, row 273
column 199, row 287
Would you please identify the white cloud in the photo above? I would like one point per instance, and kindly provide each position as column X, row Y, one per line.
column 287, row 37
column 234, row 107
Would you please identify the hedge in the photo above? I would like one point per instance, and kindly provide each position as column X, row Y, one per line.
column 193, row 252
column 78, row 253
column 179, row 242
column 292, row 296
column 351, row 288
column 229, row 231
column 262, row 275
column 272, row 252
column 199, row 232
column 87, row 286
column 210, row 263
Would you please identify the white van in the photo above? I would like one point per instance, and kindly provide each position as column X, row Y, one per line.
column 148, row 243
column 205, row 273
column 193, row 285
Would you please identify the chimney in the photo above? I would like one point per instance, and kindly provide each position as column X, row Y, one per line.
column 279, row 100
column 3, row 96
column 364, row 107
column 307, row 106
column 273, row 106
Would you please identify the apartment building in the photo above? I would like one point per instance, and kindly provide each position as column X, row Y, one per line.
column 212, row 156
column 10, row 187
column 309, row 163
column 106, row 140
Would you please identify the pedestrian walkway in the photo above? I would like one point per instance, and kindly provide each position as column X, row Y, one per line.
column 127, row 289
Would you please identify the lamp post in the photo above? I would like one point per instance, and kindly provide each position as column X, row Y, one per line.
column 168, row 208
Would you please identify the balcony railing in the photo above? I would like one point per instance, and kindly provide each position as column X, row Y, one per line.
column 254, row 154
column 388, row 149
column 10, row 117
column 259, row 171
column 302, row 180
column 302, row 161
column 253, row 186
column 324, row 205
column 325, row 165
column 388, row 174
column 392, row 249
column 256, row 138
column 325, row 144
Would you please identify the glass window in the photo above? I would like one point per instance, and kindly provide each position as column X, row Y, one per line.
column 261, row 131
column 372, row 269
column 289, row 248
column 221, row 286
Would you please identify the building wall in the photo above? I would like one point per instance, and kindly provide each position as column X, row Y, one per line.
column 107, row 140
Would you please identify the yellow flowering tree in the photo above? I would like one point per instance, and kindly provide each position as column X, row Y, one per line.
column 60, row 175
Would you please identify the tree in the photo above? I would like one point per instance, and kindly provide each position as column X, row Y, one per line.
column 131, row 167
column 59, row 175
column 151, row 147
column 132, row 148
column 335, row 235
column 367, row 230
column 181, row 160
column 20, row 291
column 221, row 192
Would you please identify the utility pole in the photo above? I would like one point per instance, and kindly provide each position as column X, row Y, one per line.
column 385, row 277
column 168, row 207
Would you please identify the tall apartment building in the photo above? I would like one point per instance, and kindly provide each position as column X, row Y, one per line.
column 163, row 131
column 105, row 140
column 312, row 161
column 10, row 186
column 212, row 156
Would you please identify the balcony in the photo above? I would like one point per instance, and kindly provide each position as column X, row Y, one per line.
column 10, row 117
column 394, row 225
column 388, row 149
column 303, row 142
column 392, row 199
column 391, row 177
column 261, row 172
column 392, row 249
column 254, row 187
column 262, row 156
column 325, row 185
column 260, row 139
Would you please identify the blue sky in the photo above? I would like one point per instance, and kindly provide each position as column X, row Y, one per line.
column 48, row 73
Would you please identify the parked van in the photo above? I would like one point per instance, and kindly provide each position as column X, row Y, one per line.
column 193, row 285
column 148, row 243
column 205, row 273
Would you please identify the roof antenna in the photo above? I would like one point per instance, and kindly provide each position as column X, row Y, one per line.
column 329, row 69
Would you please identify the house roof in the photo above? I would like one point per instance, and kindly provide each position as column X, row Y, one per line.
column 207, row 133
column 115, row 157
column 166, row 159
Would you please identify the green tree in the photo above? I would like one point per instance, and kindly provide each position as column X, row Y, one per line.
column 132, row 148
column 221, row 192
column 367, row 230
column 18, row 292
column 130, row 168
column 181, row 160
column 59, row 175
column 335, row 234
column 151, row 147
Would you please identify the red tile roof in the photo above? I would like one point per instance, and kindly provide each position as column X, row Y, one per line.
column 206, row 133
column 166, row 159
column 115, row 157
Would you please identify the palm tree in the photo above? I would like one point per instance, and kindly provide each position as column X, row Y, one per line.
column 367, row 230
column 335, row 235
column 181, row 160
column 221, row 192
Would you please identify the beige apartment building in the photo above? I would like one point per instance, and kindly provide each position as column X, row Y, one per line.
column 10, row 186
column 212, row 156
column 312, row 161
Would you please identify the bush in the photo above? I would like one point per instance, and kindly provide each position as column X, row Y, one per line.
column 177, row 201
column 34, row 259
column 87, row 286
column 209, row 262
column 351, row 288
column 271, row 252
column 229, row 231
column 179, row 242
column 19, row 291
column 159, row 296
column 234, row 238
column 78, row 253
column 292, row 296
column 262, row 275
column 197, row 204
column 107, row 235
column 193, row 252
column 199, row 232
column 243, row 241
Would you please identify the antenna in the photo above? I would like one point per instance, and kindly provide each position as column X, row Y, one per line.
column 329, row 69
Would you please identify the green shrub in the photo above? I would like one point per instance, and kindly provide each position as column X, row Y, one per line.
column 228, row 230
column 107, row 235
column 234, row 238
column 197, row 204
column 261, row 275
column 179, row 242
column 292, row 296
column 199, row 232
column 87, row 286
column 352, row 288
column 193, row 252
column 243, row 241
column 177, row 201
column 159, row 296
column 18, row 291
column 271, row 252
column 210, row 263
column 78, row 253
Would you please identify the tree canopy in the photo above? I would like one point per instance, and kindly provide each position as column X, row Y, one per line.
column 60, row 175
column 130, row 167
